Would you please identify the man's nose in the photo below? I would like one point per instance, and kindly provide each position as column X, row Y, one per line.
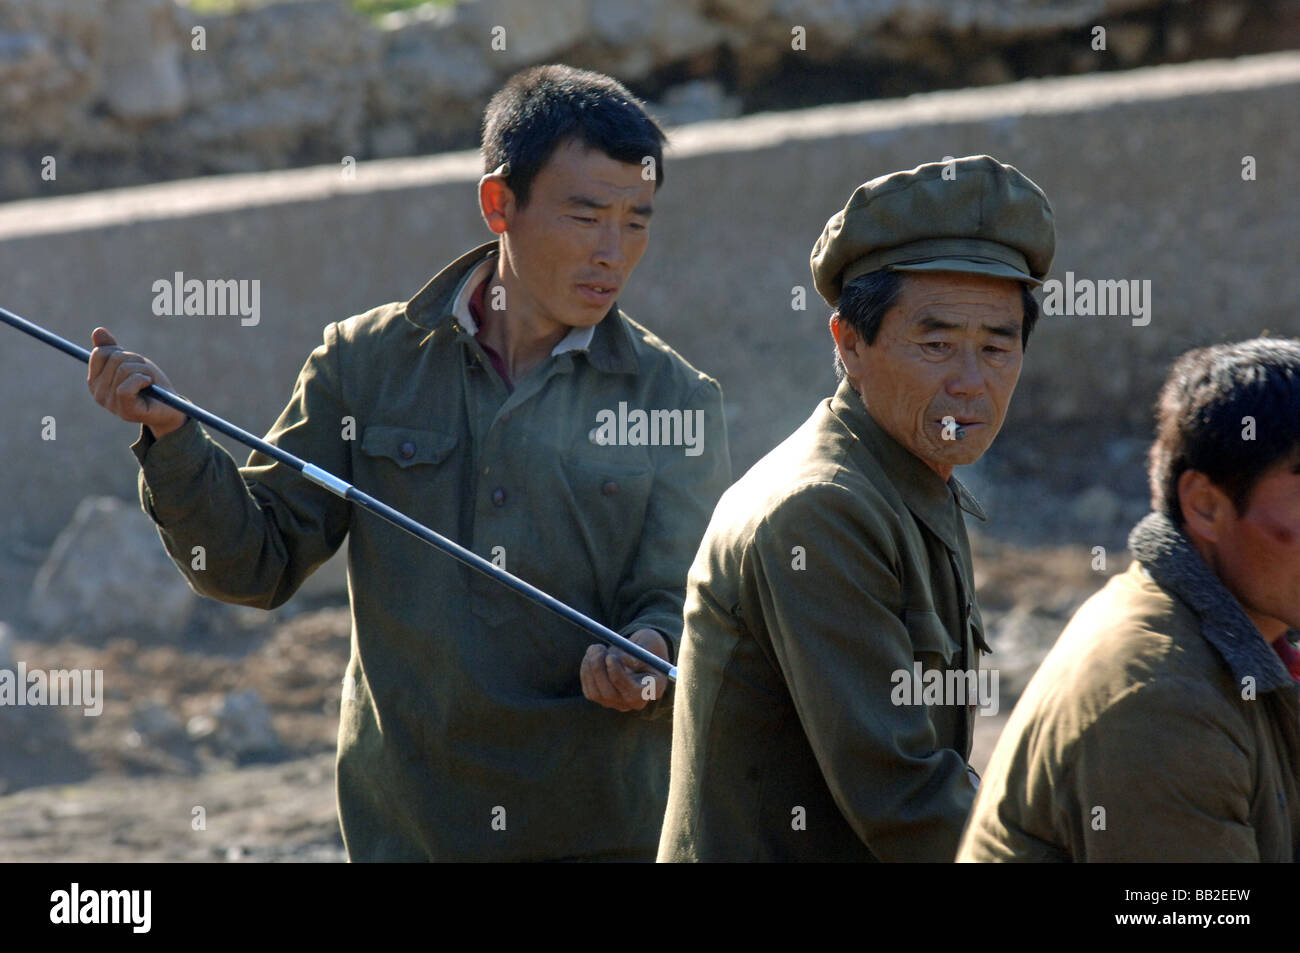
column 966, row 379
column 609, row 247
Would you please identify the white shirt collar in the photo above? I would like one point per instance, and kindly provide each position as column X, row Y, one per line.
column 578, row 339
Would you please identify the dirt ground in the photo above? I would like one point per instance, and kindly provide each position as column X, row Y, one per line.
column 279, row 812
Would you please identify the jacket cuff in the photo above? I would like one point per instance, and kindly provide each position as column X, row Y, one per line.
column 175, row 459
column 181, row 452
column 638, row 625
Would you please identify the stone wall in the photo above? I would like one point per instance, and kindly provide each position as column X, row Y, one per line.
column 1144, row 169
column 116, row 92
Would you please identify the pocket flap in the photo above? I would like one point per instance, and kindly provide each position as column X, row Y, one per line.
column 406, row 447
column 928, row 633
column 605, row 475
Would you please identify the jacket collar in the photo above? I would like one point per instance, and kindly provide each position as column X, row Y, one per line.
column 1171, row 560
column 609, row 346
column 927, row 496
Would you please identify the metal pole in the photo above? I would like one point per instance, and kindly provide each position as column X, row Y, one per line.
column 346, row 490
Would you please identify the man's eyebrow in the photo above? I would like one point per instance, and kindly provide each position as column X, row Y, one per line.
column 1008, row 330
column 586, row 201
column 931, row 323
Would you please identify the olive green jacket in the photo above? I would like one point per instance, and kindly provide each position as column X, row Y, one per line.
column 1161, row 726
column 464, row 733
column 838, row 561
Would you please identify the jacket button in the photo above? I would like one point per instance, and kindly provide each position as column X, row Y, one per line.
column 407, row 450
column 610, row 488
column 498, row 497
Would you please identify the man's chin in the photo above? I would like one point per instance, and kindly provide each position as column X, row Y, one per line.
column 960, row 453
column 586, row 316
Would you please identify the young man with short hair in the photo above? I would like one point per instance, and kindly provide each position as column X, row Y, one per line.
column 472, row 725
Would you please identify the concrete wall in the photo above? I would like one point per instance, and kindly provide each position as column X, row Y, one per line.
column 1143, row 168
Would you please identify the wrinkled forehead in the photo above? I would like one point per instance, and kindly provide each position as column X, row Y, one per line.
column 957, row 301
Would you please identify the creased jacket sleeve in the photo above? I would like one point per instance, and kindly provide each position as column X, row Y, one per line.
column 837, row 636
column 263, row 528
column 1170, row 773
column 686, row 488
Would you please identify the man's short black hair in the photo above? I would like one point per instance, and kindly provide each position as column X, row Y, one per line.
column 865, row 299
column 1202, row 419
column 544, row 106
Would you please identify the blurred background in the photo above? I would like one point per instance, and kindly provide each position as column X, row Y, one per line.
column 325, row 149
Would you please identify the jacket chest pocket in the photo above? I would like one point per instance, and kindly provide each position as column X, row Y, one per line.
column 405, row 447
column 575, row 538
column 607, row 502
column 400, row 465
column 932, row 646
column 947, row 696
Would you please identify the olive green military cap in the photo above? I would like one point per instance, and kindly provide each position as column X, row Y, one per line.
column 982, row 217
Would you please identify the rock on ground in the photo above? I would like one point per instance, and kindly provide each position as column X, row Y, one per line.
column 108, row 574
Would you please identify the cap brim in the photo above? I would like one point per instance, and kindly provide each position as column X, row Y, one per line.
column 972, row 266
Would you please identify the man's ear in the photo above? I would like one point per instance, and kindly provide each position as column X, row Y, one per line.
column 849, row 342
column 1204, row 506
column 496, row 203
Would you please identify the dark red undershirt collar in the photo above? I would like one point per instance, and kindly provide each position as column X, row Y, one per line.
column 478, row 313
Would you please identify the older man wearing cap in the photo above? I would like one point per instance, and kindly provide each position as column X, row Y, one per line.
column 838, row 569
